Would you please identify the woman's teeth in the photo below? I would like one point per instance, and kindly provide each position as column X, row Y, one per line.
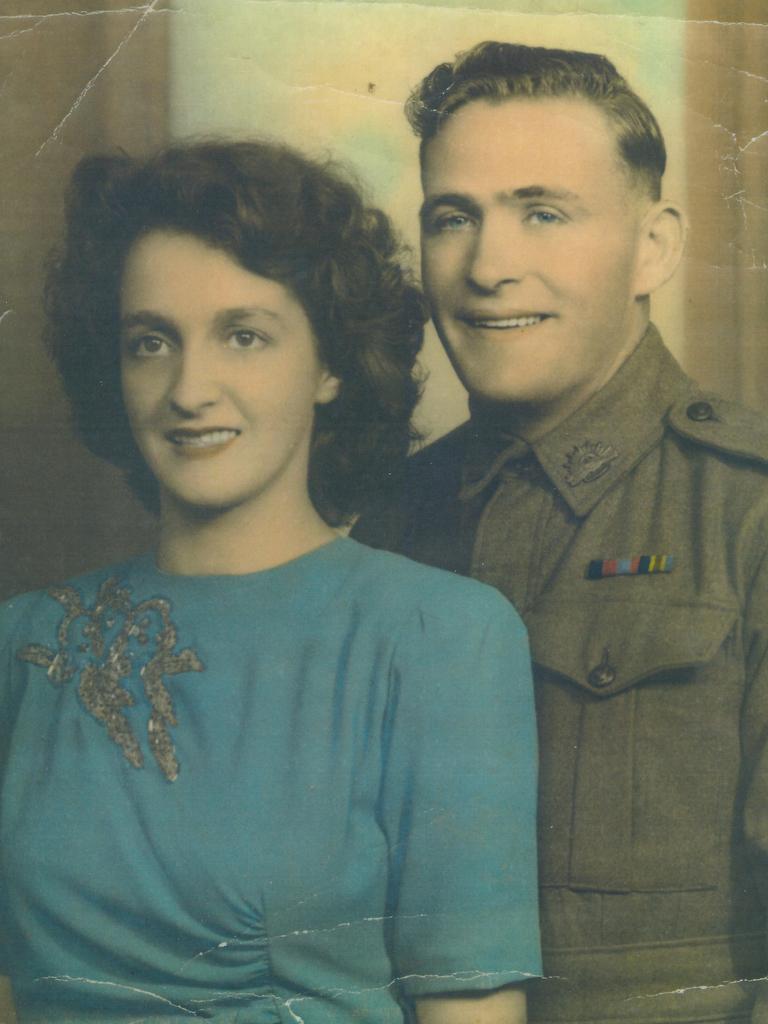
column 212, row 437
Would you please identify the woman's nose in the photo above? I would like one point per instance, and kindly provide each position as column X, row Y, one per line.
column 194, row 384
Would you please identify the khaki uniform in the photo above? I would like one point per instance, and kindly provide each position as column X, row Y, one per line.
column 651, row 677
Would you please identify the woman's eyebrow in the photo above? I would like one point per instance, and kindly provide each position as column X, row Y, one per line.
column 150, row 319
column 154, row 321
column 226, row 316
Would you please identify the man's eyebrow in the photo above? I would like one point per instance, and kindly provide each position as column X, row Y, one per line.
column 461, row 201
column 537, row 192
column 455, row 199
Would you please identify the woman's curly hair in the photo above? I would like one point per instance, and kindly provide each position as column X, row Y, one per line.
column 282, row 216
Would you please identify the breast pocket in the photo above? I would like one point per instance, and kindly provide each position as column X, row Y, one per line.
column 639, row 725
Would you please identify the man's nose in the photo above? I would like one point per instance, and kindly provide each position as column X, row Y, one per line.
column 194, row 385
column 498, row 255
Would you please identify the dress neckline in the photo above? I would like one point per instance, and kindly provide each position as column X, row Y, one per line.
column 147, row 563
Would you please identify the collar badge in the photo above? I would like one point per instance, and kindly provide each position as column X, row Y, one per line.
column 588, row 461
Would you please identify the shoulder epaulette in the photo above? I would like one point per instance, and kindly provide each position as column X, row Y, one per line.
column 722, row 425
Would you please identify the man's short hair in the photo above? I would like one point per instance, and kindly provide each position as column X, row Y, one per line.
column 500, row 71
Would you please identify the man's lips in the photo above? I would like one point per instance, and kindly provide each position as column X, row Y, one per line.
column 201, row 440
column 504, row 322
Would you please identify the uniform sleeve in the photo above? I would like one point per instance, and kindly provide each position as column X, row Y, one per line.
column 755, row 749
column 10, row 612
column 459, row 801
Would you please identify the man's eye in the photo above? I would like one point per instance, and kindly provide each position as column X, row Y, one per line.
column 246, row 339
column 451, row 222
column 545, row 217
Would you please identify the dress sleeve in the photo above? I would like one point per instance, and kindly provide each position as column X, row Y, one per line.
column 10, row 612
column 458, row 801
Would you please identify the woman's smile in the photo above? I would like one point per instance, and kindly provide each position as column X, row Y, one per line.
column 195, row 443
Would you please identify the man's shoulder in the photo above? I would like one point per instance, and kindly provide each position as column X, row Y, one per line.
column 432, row 475
column 442, row 457
column 722, row 427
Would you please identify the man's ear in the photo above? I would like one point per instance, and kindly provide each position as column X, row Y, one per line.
column 327, row 389
column 660, row 246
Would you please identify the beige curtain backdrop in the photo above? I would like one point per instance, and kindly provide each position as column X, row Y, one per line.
column 331, row 76
column 726, row 276
column 70, row 84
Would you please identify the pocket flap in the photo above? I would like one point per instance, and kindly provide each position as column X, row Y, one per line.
column 608, row 646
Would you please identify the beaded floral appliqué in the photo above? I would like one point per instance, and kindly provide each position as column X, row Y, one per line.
column 104, row 644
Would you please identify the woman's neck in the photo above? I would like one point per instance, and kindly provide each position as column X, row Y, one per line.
column 237, row 540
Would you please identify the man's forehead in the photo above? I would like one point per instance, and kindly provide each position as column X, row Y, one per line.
column 561, row 144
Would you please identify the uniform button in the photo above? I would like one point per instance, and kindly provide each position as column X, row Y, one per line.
column 700, row 411
column 602, row 675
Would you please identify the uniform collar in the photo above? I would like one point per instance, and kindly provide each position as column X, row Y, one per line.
column 597, row 445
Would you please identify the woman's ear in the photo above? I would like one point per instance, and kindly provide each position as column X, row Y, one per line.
column 327, row 389
column 660, row 246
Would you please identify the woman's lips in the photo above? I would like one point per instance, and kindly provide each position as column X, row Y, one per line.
column 201, row 442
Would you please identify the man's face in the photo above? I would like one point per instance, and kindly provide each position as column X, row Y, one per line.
column 530, row 239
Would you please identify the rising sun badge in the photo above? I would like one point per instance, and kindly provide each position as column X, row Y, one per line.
column 588, row 461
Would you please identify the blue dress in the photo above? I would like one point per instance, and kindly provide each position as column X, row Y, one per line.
column 299, row 795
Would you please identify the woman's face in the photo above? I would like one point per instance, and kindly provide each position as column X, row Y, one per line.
column 220, row 376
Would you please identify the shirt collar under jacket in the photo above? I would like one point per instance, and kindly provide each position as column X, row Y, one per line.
column 598, row 444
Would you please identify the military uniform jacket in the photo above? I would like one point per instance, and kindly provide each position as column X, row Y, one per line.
column 632, row 539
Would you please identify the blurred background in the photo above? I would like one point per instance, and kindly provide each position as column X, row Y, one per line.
column 331, row 77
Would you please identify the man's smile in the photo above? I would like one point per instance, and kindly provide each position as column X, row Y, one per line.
column 506, row 322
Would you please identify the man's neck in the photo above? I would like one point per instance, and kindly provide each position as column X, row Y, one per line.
column 533, row 420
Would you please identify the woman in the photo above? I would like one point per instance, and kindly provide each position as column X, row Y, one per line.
column 264, row 773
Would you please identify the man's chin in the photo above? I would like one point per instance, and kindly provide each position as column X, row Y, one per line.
column 516, row 393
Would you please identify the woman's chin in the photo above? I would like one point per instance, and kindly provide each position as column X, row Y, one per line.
column 195, row 507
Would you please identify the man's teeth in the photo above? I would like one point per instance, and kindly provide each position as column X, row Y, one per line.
column 204, row 440
column 512, row 321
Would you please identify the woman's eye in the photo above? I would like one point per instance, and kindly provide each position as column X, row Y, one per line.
column 245, row 339
column 148, row 345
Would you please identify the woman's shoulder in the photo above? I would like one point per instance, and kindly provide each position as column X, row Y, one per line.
column 399, row 585
column 44, row 607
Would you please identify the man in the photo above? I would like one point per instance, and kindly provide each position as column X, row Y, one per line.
column 622, row 510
